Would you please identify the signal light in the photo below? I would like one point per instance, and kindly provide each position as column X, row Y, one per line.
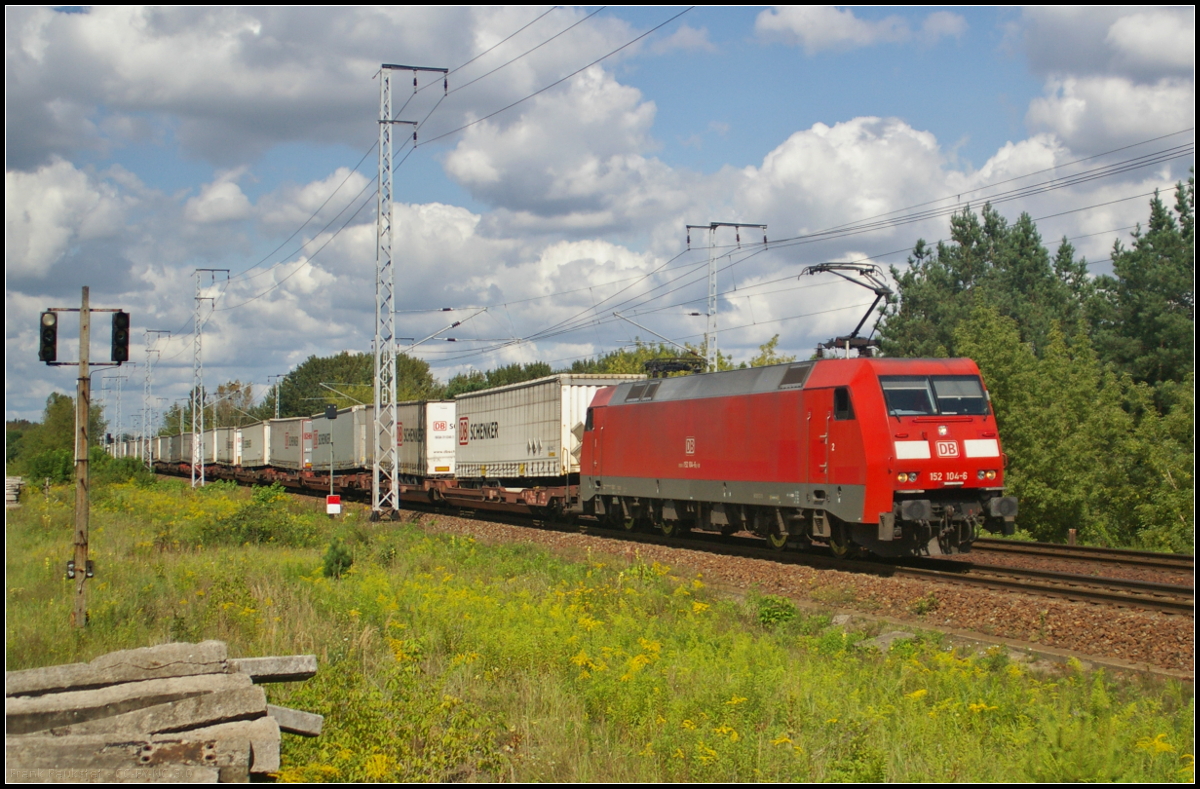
column 48, row 337
column 120, row 337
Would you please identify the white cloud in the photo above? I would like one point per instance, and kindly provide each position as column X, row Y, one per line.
column 239, row 80
column 817, row 28
column 49, row 210
column 571, row 153
column 942, row 24
column 1145, row 45
column 1159, row 39
column 685, row 38
column 1100, row 113
column 1113, row 76
column 826, row 175
column 221, row 200
column 291, row 205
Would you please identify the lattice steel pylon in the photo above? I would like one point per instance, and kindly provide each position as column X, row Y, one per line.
column 385, row 492
column 710, row 331
column 146, row 445
column 198, row 378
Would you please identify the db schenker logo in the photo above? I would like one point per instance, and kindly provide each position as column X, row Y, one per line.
column 464, row 430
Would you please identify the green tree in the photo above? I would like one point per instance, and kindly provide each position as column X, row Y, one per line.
column 474, row 380
column 51, row 443
column 352, row 375
column 1087, row 448
column 986, row 262
column 768, row 354
column 1145, row 312
column 628, row 360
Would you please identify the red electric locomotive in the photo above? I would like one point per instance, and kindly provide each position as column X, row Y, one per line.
column 898, row 457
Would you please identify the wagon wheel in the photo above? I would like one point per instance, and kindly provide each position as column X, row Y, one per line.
column 777, row 540
column 631, row 524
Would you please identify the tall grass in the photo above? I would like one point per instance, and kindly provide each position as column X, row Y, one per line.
column 444, row 659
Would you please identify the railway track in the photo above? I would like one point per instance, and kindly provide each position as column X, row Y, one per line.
column 1178, row 599
column 1113, row 556
column 1173, row 599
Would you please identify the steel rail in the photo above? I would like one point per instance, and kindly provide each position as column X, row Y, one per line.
column 1118, row 556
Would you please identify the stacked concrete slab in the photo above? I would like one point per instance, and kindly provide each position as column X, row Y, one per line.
column 171, row 713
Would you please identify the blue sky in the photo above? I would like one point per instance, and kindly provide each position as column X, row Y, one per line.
column 142, row 144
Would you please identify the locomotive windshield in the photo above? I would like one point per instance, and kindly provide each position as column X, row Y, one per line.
column 927, row 395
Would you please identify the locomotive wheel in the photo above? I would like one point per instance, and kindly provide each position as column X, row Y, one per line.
column 840, row 543
column 674, row 528
column 776, row 540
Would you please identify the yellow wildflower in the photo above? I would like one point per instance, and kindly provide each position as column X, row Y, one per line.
column 1156, row 745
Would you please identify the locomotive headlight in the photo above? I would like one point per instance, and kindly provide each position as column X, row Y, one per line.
column 988, row 475
column 906, row 476
column 912, row 476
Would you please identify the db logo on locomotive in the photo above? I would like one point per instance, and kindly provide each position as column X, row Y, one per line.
column 947, row 449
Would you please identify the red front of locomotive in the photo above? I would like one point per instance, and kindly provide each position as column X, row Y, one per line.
column 812, row 451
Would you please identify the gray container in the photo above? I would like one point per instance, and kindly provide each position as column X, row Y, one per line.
column 425, row 436
column 346, row 437
column 223, row 446
column 251, row 448
column 292, row 443
column 530, row 429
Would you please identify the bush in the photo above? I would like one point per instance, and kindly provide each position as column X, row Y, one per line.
column 264, row 519
column 337, row 559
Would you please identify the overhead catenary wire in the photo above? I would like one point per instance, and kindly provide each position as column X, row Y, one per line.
column 557, row 82
column 529, row 51
column 594, row 321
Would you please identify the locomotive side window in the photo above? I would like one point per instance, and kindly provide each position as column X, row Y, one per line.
column 907, row 395
column 842, row 407
column 587, row 428
column 960, row 394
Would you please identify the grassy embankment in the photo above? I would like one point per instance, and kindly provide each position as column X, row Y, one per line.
column 445, row 659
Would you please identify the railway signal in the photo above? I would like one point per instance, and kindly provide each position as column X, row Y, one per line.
column 48, row 353
column 120, row 336
column 48, row 338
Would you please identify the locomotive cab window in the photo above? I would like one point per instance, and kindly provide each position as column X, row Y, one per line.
column 922, row 395
column 587, row 428
column 842, row 407
column 960, row 394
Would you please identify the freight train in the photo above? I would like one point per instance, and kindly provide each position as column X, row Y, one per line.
column 895, row 457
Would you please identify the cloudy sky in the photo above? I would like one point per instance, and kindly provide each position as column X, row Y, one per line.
column 554, row 172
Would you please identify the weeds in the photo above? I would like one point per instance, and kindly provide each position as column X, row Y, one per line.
column 442, row 659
